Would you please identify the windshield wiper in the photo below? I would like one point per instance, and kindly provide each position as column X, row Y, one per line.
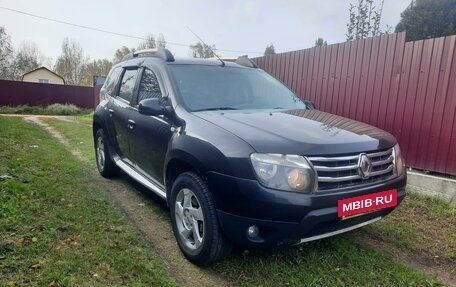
column 216, row 109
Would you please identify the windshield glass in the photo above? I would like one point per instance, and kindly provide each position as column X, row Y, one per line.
column 231, row 88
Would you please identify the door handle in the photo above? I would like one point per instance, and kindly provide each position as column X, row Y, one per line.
column 131, row 124
column 111, row 111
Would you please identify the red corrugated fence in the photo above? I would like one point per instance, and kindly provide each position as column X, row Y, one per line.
column 408, row 89
column 15, row 93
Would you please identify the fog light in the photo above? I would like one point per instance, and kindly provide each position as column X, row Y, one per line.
column 253, row 231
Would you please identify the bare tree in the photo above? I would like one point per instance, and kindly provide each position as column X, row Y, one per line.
column 47, row 62
column 28, row 58
column 151, row 42
column 72, row 63
column 161, row 42
column 96, row 68
column 365, row 20
column 122, row 52
column 6, row 55
column 201, row 50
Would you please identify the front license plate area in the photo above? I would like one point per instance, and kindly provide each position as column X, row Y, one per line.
column 359, row 205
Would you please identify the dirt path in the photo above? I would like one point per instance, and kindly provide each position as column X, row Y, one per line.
column 155, row 225
column 413, row 261
column 56, row 134
column 150, row 216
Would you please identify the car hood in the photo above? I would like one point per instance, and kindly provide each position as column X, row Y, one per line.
column 306, row 132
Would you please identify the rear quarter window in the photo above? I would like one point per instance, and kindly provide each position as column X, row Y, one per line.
column 110, row 84
column 128, row 84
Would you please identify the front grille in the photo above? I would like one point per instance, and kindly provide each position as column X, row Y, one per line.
column 339, row 172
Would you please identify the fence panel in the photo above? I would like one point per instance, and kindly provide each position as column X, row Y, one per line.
column 408, row 89
column 15, row 93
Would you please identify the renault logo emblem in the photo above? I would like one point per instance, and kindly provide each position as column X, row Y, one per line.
column 364, row 166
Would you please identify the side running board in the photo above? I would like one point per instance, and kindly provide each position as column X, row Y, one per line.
column 156, row 188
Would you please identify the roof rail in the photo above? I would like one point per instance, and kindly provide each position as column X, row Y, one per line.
column 225, row 59
column 161, row 53
column 246, row 62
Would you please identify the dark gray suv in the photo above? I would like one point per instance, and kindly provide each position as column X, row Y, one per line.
column 238, row 157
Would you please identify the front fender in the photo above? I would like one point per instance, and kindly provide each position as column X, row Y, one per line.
column 201, row 155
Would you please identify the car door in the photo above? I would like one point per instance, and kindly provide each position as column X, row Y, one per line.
column 150, row 136
column 119, row 109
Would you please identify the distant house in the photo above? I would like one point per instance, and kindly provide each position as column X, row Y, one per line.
column 43, row 75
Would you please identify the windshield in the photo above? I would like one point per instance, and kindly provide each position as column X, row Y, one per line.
column 231, row 88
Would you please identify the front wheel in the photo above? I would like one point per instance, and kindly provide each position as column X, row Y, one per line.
column 106, row 167
column 194, row 221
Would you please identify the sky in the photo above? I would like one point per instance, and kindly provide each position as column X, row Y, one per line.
column 243, row 26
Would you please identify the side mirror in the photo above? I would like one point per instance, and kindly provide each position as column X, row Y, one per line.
column 154, row 107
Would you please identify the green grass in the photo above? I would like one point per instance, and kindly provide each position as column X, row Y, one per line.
column 54, row 109
column 79, row 135
column 421, row 225
column 57, row 226
column 336, row 261
column 85, row 119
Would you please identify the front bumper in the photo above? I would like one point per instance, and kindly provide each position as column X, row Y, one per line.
column 287, row 218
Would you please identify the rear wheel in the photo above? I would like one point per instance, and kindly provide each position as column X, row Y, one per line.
column 106, row 167
column 194, row 221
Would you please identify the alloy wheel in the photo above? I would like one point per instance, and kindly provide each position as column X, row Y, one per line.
column 100, row 153
column 189, row 219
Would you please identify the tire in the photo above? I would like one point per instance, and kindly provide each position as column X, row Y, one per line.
column 106, row 167
column 194, row 221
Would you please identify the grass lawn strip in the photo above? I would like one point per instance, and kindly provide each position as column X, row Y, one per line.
column 145, row 212
column 335, row 261
column 422, row 225
column 54, row 109
column 57, row 228
column 77, row 134
column 330, row 262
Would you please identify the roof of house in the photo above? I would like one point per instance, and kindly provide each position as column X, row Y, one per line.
column 45, row 69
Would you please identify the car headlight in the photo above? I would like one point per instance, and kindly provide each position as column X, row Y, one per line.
column 399, row 163
column 284, row 172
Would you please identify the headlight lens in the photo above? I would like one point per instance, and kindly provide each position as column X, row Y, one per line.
column 399, row 163
column 284, row 172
